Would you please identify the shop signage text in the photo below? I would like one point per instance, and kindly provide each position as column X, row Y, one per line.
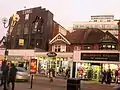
column 100, row 56
column 51, row 54
column 28, row 11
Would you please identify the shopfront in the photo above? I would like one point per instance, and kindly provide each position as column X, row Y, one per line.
column 90, row 64
column 59, row 63
column 19, row 61
column 20, row 57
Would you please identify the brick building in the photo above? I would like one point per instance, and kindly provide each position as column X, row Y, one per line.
column 84, row 39
column 33, row 30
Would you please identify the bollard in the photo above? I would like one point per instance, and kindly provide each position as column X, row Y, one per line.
column 31, row 82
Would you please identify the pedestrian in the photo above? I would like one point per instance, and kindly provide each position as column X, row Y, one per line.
column 12, row 75
column 103, row 77
column 51, row 74
column 109, row 76
column 5, row 70
column 116, row 76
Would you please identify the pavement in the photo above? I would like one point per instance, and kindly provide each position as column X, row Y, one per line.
column 42, row 83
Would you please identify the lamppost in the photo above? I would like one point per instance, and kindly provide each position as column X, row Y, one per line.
column 15, row 18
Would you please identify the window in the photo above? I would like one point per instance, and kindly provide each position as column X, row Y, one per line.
column 86, row 47
column 108, row 20
column 113, row 46
column 18, row 32
column 26, row 16
column 57, row 48
column 17, row 43
column 77, row 48
column 32, row 43
column 107, row 47
column 59, row 37
column 95, row 20
column 38, row 43
column 21, row 69
column 26, row 28
column 35, row 25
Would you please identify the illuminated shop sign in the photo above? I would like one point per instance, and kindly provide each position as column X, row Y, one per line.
column 100, row 56
column 51, row 54
column 33, row 66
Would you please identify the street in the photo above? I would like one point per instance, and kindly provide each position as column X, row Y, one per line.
column 42, row 83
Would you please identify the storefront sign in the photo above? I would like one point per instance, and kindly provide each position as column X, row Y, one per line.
column 28, row 11
column 33, row 66
column 100, row 56
column 51, row 54
column 21, row 42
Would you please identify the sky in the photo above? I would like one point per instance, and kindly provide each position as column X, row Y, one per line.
column 65, row 11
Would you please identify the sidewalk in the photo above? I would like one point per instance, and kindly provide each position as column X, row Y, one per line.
column 42, row 83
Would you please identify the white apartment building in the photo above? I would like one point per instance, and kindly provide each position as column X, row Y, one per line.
column 103, row 22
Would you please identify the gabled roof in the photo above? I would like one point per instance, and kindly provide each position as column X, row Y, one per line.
column 63, row 39
column 110, row 37
column 90, row 35
column 94, row 36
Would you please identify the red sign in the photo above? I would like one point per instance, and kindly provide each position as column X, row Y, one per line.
column 33, row 66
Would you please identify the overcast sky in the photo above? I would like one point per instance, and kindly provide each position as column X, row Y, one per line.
column 65, row 11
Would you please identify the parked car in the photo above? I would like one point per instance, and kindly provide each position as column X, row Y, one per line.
column 22, row 74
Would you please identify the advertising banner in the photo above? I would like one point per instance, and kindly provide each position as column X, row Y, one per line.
column 33, row 66
column 21, row 42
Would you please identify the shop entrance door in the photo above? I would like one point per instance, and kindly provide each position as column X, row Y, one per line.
column 96, row 72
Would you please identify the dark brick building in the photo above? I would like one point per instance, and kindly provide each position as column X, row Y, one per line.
column 33, row 30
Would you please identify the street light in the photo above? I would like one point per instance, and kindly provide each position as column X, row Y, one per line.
column 15, row 18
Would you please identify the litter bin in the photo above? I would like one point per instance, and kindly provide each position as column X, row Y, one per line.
column 73, row 84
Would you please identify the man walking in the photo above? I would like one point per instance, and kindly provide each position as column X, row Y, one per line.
column 12, row 75
column 4, row 70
